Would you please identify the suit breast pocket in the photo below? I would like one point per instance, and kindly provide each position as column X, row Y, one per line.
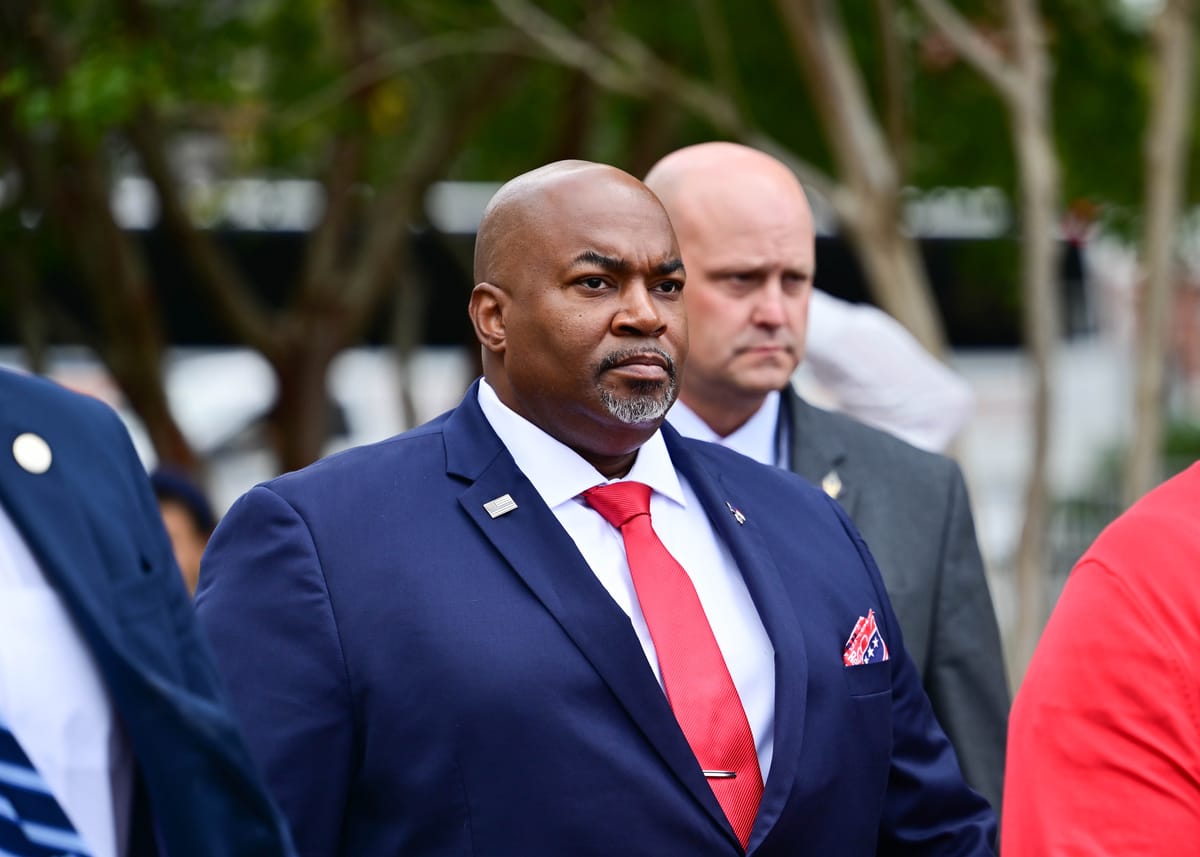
column 868, row 679
column 868, row 707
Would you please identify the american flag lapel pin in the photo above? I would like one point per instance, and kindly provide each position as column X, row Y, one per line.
column 736, row 512
column 502, row 505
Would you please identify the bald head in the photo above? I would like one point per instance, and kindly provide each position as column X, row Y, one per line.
column 746, row 234
column 726, row 172
column 524, row 207
column 578, row 305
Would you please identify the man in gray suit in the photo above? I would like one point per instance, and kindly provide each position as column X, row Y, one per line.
column 746, row 233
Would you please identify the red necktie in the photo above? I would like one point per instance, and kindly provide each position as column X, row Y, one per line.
column 698, row 685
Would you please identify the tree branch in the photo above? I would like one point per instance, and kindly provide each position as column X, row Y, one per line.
column 719, row 47
column 324, row 242
column 562, row 45
column 633, row 69
column 894, row 83
column 392, row 215
column 972, row 47
column 233, row 296
column 394, row 62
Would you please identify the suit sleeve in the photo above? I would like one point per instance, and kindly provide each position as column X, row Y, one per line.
column 1104, row 748
column 265, row 607
column 965, row 678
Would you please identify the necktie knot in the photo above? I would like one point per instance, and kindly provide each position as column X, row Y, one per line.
column 619, row 502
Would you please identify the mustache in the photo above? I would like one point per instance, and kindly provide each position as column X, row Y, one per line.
column 616, row 358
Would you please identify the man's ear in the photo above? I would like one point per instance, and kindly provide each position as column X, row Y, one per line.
column 488, row 305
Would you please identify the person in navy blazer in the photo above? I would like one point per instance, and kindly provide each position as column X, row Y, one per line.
column 74, row 488
column 424, row 663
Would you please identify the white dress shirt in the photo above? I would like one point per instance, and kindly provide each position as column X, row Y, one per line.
column 560, row 475
column 759, row 437
column 53, row 702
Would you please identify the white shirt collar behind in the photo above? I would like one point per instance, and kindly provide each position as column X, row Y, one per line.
column 757, row 438
column 558, row 473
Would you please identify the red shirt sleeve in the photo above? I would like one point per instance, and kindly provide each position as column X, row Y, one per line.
column 1103, row 754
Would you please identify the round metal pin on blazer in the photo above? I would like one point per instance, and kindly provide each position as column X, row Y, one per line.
column 32, row 453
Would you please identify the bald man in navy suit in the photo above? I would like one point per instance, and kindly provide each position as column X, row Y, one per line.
column 440, row 645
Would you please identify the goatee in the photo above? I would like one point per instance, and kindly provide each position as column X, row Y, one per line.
column 649, row 401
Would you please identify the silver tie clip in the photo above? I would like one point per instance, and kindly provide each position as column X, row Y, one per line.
column 720, row 775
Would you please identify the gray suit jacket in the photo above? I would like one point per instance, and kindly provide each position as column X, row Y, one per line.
column 911, row 506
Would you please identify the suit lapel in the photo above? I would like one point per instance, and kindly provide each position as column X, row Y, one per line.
column 51, row 513
column 763, row 579
column 543, row 555
column 46, row 511
column 818, row 456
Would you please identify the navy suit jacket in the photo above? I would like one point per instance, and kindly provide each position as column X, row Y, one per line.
column 417, row 677
column 913, row 510
column 93, row 524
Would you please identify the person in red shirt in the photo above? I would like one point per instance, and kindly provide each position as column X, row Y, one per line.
column 1104, row 736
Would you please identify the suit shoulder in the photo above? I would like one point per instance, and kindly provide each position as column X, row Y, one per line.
column 396, row 455
column 53, row 404
column 876, row 445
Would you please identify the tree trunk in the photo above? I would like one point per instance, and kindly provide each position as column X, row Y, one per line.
column 1164, row 150
column 33, row 328
column 873, row 218
column 131, row 336
column 894, row 267
column 1042, row 314
column 299, row 422
column 1023, row 80
column 1041, row 318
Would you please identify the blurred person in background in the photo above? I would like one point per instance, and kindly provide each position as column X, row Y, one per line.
column 746, row 233
column 188, row 517
column 1104, row 744
column 115, row 739
column 861, row 362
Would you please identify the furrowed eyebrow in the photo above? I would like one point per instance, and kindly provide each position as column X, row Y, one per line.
column 668, row 267
column 608, row 263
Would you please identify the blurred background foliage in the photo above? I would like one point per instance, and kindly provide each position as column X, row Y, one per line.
column 372, row 102
column 371, row 97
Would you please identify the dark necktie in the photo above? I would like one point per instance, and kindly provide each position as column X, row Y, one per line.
column 697, row 681
column 32, row 824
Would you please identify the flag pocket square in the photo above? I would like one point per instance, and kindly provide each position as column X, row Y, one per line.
column 865, row 645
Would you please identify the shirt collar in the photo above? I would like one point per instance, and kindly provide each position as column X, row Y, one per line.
column 557, row 472
column 756, row 438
